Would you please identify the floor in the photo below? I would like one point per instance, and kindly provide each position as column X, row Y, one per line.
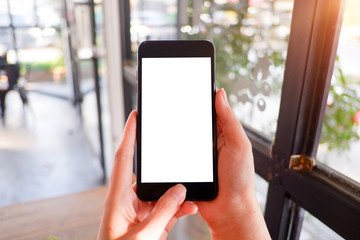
column 44, row 151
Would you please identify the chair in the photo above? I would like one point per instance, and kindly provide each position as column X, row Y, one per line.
column 13, row 73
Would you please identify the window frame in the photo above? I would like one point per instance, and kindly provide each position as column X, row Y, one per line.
column 307, row 79
column 312, row 48
column 94, row 59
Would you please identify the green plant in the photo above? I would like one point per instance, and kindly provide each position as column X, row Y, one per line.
column 341, row 121
column 249, row 79
column 41, row 66
column 249, row 66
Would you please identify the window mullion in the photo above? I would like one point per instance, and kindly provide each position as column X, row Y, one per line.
column 278, row 211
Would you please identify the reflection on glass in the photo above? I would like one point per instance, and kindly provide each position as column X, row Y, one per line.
column 152, row 20
column 23, row 12
column 340, row 138
column 312, row 228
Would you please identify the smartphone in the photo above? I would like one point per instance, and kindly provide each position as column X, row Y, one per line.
column 176, row 123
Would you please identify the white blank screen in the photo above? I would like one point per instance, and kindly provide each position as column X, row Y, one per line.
column 176, row 125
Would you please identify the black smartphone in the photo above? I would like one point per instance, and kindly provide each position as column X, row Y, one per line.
column 176, row 123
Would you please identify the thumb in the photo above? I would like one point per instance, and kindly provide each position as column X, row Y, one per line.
column 164, row 210
column 232, row 129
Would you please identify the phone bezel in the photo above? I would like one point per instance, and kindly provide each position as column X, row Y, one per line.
column 196, row 191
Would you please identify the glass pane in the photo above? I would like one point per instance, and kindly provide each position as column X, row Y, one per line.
column 152, row 20
column 99, row 22
column 313, row 228
column 40, row 54
column 83, row 32
column 36, row 37
column 4, row 15
column 251, row 39
column 5, row 39
column 27, row 37
column 23, row 12
column 261, row 188
column 48, row 12
column 86, row 73
column 340, row 138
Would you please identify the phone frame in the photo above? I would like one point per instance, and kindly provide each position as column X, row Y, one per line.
column 196, row 191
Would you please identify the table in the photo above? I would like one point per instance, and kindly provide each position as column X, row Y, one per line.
column 75, row 216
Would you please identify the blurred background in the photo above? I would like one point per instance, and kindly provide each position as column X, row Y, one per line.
column 68, row 77
column 52, row 95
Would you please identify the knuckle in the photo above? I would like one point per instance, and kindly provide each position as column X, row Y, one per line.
column 167, row 202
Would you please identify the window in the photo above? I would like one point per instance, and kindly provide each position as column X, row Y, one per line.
column 152, row 19
column 340, row 137
column 22, row 13
column 251, row 43
column 4, row 16
column 276, row 59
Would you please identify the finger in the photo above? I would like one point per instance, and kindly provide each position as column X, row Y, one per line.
column 218, row 128
column 134, row 187
column 123, row 164
column 144, row 209
column 129, row 136
column 188, row 208
column 164, row 211
column 230, row 125
column 133, row 178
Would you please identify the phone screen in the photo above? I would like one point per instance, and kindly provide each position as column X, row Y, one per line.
column 176, row 120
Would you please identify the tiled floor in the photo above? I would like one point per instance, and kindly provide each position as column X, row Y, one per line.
column 44, row 151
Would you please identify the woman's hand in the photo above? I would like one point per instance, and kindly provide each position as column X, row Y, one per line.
column 125, row 215
column 234, row 213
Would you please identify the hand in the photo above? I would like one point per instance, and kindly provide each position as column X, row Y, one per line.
column 127, row 217
column 234, row 213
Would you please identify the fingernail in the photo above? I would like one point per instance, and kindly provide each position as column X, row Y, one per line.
column 224, row 96
column 178, row 192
